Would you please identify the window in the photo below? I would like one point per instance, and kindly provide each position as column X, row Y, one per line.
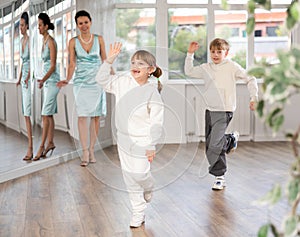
column 7, row 51
column 1, row 53
column 188, row 1
column 16, row 49
column 271, row 30
column 235, row 32
column 179, row 25
column 135, row 1
column 229, row 25
column 231, row 2
column 185, row 25
column 135, row 29
column 7, row 14
column 59, row 41
column 270, row 23
column 67, row 4
column 67, row 35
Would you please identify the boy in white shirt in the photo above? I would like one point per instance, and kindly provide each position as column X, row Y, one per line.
column 220, row 77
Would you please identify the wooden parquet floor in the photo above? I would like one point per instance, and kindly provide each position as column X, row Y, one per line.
column 68, row 200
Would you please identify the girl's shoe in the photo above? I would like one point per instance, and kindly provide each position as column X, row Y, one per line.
column 137, row 221
column 40, row 153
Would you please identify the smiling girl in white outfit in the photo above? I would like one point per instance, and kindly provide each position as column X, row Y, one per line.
column 138, row 117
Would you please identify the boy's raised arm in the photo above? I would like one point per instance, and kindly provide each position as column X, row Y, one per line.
column 189, row 68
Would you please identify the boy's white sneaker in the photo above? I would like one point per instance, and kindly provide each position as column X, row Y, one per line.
column 219, row 183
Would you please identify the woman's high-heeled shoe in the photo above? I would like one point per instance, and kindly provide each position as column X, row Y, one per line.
column 51, row 148
column 92, row 156
column 40, row 154
column 28, row 157
column 85, row 158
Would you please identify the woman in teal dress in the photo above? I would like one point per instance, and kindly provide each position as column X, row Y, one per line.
column 24, row 81
column 48, row 83
column 86, row 52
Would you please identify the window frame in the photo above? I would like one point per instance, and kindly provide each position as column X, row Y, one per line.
column 162, row 8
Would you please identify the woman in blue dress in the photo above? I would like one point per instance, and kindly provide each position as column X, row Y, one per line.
column 24, row 81
column 86, row 51
column 48, row 83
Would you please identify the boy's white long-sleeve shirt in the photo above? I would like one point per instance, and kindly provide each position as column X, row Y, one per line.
column 139, row 109
column 220, row 82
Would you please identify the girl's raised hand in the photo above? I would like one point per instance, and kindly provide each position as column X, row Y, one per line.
column 114, row 50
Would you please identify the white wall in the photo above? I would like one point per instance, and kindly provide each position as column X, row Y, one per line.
column 184, row 114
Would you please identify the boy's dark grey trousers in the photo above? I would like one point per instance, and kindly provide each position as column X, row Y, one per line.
column 217, row 142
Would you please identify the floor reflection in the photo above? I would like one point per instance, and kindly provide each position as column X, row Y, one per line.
column 14, row 146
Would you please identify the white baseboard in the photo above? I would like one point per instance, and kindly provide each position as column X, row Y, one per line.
column 12, row 126
column 277, row 138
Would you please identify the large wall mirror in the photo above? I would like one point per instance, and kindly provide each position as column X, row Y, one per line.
column 13, row 127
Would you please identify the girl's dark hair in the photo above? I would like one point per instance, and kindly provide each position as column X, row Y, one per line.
column 25, row 17
column 46, row 20
column 82, row 13
column 150, row 60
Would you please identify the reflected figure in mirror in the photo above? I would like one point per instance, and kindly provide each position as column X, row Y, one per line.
column 48, row 84
column 24, row 81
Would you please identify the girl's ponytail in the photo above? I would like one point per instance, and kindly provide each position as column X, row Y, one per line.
column 157, row 73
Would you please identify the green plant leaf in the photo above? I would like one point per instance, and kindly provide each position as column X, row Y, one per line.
column 277, row 122
column 274, row 230
column 291, row 22
column 261, row 2
column 290, row 225
column 292, row 15
column 294, row 11
column 272, row 115
column 278, row 88
column 271, row 197
column 289, row 135
column 263, row 230
column 267, row 5
column 293, row 189
column 250, row 25
column 251, row 6
column 257, row 72
column 260, row 108
column 224, row 4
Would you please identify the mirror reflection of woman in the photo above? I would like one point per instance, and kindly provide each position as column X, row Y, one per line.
column 86, row 52
column 24, row 81
column 48, row 83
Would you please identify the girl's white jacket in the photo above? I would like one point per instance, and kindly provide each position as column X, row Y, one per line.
column 139, row 109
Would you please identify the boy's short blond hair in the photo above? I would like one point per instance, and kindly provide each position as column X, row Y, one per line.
column 219, row 44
